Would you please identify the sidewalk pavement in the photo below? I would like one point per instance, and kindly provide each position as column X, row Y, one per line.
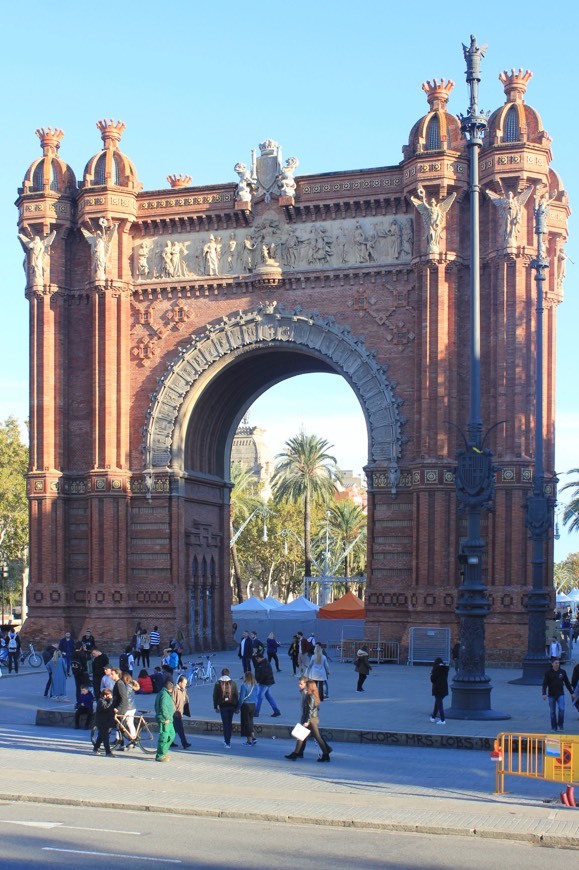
column 377, row 782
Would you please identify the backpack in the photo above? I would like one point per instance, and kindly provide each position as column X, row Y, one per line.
column 124, row 662
column 226, row 695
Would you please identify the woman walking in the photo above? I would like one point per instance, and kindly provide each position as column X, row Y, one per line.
column 246, row 706
column 310, row 718
column 439, row 680
column 362, row 667
column 57, row 670
column 272, row 647
column 225, row 701
column 318, row 669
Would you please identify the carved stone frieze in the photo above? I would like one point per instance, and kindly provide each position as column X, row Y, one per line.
column 272, row 324
column 331, row 244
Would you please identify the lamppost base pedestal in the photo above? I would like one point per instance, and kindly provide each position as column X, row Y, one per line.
column 473, row 701
column 533, row 672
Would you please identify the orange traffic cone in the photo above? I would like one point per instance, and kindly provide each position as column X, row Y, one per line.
column 570, row 794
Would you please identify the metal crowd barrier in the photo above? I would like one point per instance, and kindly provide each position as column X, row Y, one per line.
column 536, row 756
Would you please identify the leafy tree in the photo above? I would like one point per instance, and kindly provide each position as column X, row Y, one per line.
column 566, row 573
column 347, row 522
column 571, row 512
column 243, row 501
column 13, row 506
column 306, row 474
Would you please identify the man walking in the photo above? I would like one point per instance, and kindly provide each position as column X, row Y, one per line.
column 245, row 652
column 164, row 710
column 66, row 646
column 264, row 679
column 13, row 645
column 554, row 683
column 155, row 641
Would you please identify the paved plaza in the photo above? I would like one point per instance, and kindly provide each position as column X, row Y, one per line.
column 391, row 767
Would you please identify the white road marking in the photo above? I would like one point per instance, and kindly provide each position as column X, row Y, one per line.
column 113, row 855
column 67, row 827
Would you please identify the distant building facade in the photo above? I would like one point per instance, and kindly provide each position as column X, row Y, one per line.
column 250, row 449
column 158, row 317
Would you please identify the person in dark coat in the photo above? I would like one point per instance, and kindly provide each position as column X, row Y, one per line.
column 99, row 663
column 264, row 679
column 362, row 667
column 439, row 680
column 104, row 720
column 246, row 652
column 554, row 683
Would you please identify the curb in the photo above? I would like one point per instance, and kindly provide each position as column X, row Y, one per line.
column 544, row 839
column 58, row 719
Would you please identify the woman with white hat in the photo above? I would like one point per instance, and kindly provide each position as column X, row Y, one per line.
column 362, row 667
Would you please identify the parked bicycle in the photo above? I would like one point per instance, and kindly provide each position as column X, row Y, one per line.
column 143, row 738
column 201, row 671
column 31, row 657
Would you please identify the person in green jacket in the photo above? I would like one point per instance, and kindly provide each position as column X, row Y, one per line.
column 164, row 709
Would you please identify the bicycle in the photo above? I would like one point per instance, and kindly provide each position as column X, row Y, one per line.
column 143, row 738
column 201, row 672
column 31, row 657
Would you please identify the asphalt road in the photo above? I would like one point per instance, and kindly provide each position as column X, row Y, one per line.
column 34, row 836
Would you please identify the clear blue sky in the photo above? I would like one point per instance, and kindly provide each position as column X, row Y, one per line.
column 337, row 84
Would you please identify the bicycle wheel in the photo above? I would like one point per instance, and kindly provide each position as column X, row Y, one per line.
column 146, row 738
column 34, row 660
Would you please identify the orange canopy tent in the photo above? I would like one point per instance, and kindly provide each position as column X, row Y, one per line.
column 348, row 606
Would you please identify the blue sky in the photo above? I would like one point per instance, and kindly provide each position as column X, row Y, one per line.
column 337, row 84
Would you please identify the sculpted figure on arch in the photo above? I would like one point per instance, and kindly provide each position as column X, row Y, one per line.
column 100, row 245
column 433, row 216
column 39, row 250
column 511, row 212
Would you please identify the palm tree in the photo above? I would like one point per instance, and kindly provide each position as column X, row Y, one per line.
column 571, row 512
column 307, row 474
column 243, row 502
column 348, row 521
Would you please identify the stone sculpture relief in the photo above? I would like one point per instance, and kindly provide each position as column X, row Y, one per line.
column 267, row 176
column 324, row 245
column 38, row 251
column 433, row 216
column 511, row 212
column 100, row 245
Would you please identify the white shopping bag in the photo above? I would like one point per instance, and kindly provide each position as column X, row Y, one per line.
column 300, row 732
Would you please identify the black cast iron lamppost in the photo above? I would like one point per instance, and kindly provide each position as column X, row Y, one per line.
column 471, row 687
column 539, row 505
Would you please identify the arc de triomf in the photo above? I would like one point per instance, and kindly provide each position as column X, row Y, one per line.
column 158, row 317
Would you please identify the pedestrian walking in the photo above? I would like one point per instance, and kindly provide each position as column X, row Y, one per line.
column 246, row 706
column 125, row 705
column 554, row 683
column 264, row 678
column 46, row 657
column 304, row 657
column 310, row 719
column 226, row 702
column 272, row 647
column 298, row 752
column 104, row 721
column 245, row 652
column 294, row 653
column 318, row 669
column 164, row 709
column 362, row 667
column 181, row 701
column 99, row 662
column 439, row 680
column 79, row 668
column 145, row 648
column 555, row 648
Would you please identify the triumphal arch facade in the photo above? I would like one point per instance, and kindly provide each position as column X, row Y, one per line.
column 158, row 317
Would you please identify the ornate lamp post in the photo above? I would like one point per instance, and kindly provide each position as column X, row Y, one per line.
column 471, row 687
column 539, row 506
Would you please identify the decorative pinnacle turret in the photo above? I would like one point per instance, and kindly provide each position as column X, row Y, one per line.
column 179, row 180
column 515, row 84
column 111, row 132
column 437, row 93
column 50, row 139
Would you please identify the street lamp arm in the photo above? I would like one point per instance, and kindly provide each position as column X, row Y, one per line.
column 261, row 510
column 346, row 552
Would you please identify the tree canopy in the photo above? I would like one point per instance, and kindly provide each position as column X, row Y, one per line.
column 13, row 501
